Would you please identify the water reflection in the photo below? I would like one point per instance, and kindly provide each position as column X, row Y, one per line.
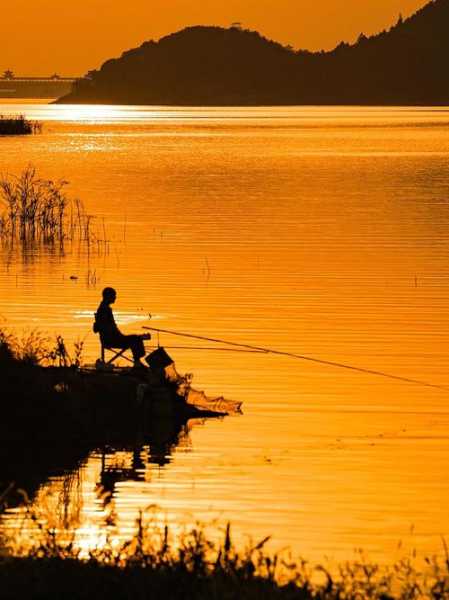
column 80, row 505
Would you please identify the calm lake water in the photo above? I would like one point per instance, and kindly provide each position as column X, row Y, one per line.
column 319, row 231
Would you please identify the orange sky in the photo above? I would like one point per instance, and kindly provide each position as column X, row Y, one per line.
column 72, row 36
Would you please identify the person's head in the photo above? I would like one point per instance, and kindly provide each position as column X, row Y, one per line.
column 109, row 295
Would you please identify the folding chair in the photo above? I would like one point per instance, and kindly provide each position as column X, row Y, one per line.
column 116, row 354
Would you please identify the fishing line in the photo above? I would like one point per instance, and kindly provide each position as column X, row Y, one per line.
column 320, row 361
column 208, row 348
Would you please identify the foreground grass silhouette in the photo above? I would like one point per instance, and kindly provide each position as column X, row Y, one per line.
column 156, row 565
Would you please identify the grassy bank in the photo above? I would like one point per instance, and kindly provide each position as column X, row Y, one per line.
column 191, row 566
column 50, row 402
column 49, row 405
column 48, row 398
column 18, row 126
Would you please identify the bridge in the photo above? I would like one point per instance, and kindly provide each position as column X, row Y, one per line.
column 36, row 87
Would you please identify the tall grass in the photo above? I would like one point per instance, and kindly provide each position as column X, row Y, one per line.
column 18, row 125
column 37, row 209
column 33, row 348
column 156, row 564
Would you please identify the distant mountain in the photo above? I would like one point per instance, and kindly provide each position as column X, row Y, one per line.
column 214, row 66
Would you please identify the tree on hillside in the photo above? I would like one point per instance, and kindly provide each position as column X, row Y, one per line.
column 8, row 74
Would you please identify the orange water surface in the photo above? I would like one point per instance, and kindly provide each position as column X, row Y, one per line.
column 318, row 231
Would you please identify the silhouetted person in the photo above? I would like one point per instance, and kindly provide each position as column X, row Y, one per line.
column 110, row 334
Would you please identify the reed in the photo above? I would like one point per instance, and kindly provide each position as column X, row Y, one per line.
column 39, row 210
column 18, row 125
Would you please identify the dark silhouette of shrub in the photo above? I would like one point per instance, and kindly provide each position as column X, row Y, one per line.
column 18, row 126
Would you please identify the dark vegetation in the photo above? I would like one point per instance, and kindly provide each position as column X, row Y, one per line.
column 49, row 397
column 49, row 409
column 216, row 66
column 36, row 209
column 18, row 126
column 155, row 565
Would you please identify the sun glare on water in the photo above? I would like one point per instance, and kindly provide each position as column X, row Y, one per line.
column 91, row 113
column 84, row 113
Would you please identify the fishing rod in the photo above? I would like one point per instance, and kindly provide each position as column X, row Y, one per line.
column 321, row 361
column 209, row 348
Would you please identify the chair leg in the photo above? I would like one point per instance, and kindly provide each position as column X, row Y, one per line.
column 117, row 355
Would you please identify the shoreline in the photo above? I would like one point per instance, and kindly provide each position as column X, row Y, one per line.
column 67, row 100
column 155, row 564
